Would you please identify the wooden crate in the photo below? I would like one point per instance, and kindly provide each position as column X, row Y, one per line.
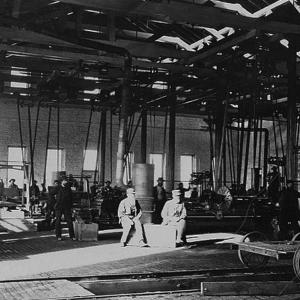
column 86, row 232
column 11, row 214
column 160, row 235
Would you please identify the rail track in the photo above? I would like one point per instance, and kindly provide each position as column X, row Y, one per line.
column 271, row 280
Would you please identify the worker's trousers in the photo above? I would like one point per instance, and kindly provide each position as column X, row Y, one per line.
column 127, row 224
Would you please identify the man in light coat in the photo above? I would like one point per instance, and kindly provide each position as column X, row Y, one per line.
column 129, row 213
column 174, row 214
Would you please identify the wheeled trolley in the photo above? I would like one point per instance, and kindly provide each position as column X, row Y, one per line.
column 254, row 250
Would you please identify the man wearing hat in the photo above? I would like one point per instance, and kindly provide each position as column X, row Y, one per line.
column 289, row 210
column 129, row 213
column 12, row 184
column 108, row 204
column 160, row 198
column 274, row 184
column 63, row 206
column 174, row 214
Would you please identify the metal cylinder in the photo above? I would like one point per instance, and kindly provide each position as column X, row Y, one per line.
column 143, row 179
column 143, row 182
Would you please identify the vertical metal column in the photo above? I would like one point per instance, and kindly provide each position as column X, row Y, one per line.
column 172, row 132
column 144, row 137
column 103, row 147
column 123, row 122
column 291, row 112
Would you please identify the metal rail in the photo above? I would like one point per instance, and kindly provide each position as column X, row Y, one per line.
column 208, row 273
column 274, row 279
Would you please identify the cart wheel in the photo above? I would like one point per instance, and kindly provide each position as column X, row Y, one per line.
column 249, row 259
column 296, row 263
column 296, row 237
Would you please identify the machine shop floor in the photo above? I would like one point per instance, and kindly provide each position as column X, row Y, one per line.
column 39, row 254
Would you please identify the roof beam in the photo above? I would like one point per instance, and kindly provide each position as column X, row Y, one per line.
column 73, row 56
column 191, row 13
column 136, row 48
column 33, row 37
column 147, row 49
column 222, row 45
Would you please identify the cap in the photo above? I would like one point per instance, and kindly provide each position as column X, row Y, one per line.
column 175, row 193
column 160, row 179
column 130, row 191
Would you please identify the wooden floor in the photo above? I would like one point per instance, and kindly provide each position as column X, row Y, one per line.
column 37, row 255
column 41, row 290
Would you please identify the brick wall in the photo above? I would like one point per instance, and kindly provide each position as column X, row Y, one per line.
column 191, row 137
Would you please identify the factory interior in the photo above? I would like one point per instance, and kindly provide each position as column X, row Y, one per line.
column 149, row 149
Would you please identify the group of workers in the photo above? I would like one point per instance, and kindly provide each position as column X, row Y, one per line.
column 173, row 214
column 166, row 212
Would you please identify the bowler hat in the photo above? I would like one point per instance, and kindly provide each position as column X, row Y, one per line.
column 160, row 179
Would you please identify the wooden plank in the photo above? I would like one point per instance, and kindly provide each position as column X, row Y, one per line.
column 268, row 288
column 41, row 290
column 113, row 287
column 188, row 12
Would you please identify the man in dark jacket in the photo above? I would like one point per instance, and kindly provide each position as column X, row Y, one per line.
column 63, row 206
column 160, row 198
column 289, row 210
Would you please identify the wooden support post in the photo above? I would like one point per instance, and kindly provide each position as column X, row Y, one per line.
column 247, row 152
column 16, row 8
column 224, row 160
column 220, row 125
column 144, row 137
column 111, row 26
column 103, row 148
column 172, row 132
column 31, row 178
column 291, row 112
column 57, row 138
column 218, row 139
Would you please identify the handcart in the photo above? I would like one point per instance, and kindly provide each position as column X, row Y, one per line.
column 254, row 250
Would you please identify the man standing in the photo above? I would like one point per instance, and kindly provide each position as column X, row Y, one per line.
column 108, row 204
column 289, row 210
column 129, row 213
column 160, row 198
column 34, row 193
column 174, row 214
column 274, row 184
column 63, row 206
